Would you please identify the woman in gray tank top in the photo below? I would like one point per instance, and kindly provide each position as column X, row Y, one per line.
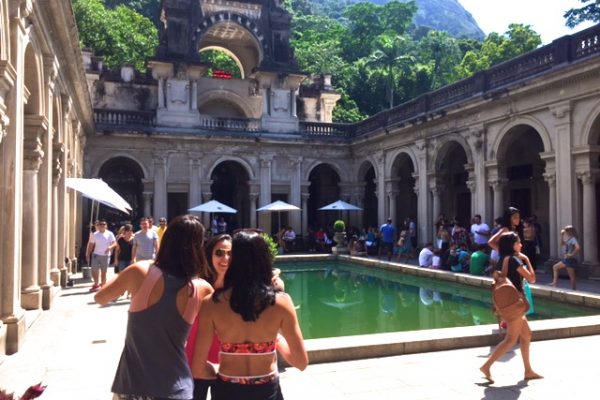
column 165, row 300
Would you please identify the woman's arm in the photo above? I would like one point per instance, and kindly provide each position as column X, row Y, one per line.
column 576, row 249
column 201, row 368
column 129, row 280
column 292, row 347
column 495, row 239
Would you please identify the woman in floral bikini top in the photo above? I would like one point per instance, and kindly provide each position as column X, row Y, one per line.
column 252, row 321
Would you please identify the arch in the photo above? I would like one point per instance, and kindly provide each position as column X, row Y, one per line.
column 365, row 166
column 230, row 54
column 591, row 126
column 57, row 121
column 231, row 185
column 442, row 148
column 244, row 163
column 125, row 176
column 397, row 153
column 229, row 96
column 232, row 24
column 98, row 163
column 34, row 80
column 534, row 123
column 367, row 173
column 335, row 167
column 324, row 189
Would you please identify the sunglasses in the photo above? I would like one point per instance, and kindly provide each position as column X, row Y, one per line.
column 222, row 253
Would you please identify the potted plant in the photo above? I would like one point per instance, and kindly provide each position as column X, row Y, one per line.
column 339, row 237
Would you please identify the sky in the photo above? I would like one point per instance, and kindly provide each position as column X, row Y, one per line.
column 544, row 16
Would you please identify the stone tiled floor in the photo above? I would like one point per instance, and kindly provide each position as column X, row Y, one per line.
column 74, row 349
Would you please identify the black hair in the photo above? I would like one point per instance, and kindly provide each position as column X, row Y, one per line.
column 249, row 276
column 211, row 275
column 181, row 253
column 507, row 244
column 506, row 221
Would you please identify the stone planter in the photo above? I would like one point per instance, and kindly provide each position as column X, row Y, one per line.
column 340, row 239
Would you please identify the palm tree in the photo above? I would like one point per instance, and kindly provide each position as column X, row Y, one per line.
column 391, row 54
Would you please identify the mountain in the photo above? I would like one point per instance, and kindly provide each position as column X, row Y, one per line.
column 442, row 15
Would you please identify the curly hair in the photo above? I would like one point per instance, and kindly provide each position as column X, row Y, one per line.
column 249, row 276
column 181, row 252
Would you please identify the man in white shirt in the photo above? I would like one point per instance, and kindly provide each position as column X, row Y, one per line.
column 288, row 238
column 426, row 256
column 98, row 252
column 480, row 231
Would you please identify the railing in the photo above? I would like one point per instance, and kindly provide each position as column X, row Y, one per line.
column 230, row 124
column 326, row 129
column 123, row 117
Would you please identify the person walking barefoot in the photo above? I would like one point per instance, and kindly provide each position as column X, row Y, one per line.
column 516, row 267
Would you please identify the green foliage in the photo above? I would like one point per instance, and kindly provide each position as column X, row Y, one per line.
column 589, row 12
column 220, row 60
column 120, row 35
column 147, row 8
column 272, row 245
column 339, row 226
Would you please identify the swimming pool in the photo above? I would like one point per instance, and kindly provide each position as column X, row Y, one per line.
column 338, row 298
column 389, row 343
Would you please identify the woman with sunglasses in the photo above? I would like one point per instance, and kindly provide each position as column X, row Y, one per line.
column 218, row 256
column 165, row 301
column 247, row 314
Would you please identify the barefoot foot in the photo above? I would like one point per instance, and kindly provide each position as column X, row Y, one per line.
column 532, row 375
column 487, row 374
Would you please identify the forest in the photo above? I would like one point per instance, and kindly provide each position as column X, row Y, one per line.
column 378, row 56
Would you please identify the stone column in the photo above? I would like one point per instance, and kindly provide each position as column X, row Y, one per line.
column 436, row 192
column 31, row 295
column 62, row 221
column 498, row 186
column 147, row 203
column 392, row 196
column 305, row 197
column 590, row 236
column 553, row 244
column 253, row 198
column 472, row 186
column 160, row 185
column 161, row 93
column 382, row 211
column 195, row 184
column 56, row 222
column 565, row 184
column 295, row 218
column 206, row 196
column 265, row 191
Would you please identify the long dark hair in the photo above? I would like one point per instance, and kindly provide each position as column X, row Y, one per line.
column 211, row 276
column 507, row 243
column 249, row 276
column 181, row 253
column 506, row 221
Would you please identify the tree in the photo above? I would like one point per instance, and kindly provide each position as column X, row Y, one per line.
column 391, row 54
column 442, row 54
column 589, row 12
column 120, row 35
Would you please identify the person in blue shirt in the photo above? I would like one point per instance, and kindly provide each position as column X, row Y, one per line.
column 388, row 238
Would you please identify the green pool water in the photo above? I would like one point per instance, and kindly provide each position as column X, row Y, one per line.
column 336, row 298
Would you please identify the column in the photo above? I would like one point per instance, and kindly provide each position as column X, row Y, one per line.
column 472, row 186
column 147, row 203
column 382, row 212
column 195, row 197
column 590, row 236
column 305, row 197
column 62, row 222
column 253, row 197
column 392, row 196
column 56, row 175
column 206, row 196
column 295, row 218
column 498, row 188
column 161, row 93
column 265, row 191
column 565, row 184
column 553, row 242
column 436, row 192
column 160, row 185
column 31, row 295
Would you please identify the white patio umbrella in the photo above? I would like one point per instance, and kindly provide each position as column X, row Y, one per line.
column 213, row 206
column 278, row 206
column 340, row 205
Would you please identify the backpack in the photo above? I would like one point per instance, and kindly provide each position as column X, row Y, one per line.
column 508, row 301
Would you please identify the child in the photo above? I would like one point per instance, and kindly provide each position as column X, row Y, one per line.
column 403, row 246
column 568, row 238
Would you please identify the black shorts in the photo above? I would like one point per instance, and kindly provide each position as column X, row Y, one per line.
column 222, row 390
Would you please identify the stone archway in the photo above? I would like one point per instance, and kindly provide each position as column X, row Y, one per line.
column 450, row 180
column 125, row 176
column 521, row 167
column 230, row 185
column 324, row 189
column 403, row 202
column 369, row 195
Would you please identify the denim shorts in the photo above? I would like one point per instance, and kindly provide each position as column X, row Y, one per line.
column 570, row 262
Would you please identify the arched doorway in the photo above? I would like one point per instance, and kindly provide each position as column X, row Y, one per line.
column 369, row 197
column 452, row 176
column 125, row 176
column 230, row 186
column 404, row 186
column 323, row 189
column 520, row 163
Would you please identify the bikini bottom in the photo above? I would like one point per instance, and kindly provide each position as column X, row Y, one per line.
column 223, row 390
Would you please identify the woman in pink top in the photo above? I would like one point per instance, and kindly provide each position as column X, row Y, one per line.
column 218, row 256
